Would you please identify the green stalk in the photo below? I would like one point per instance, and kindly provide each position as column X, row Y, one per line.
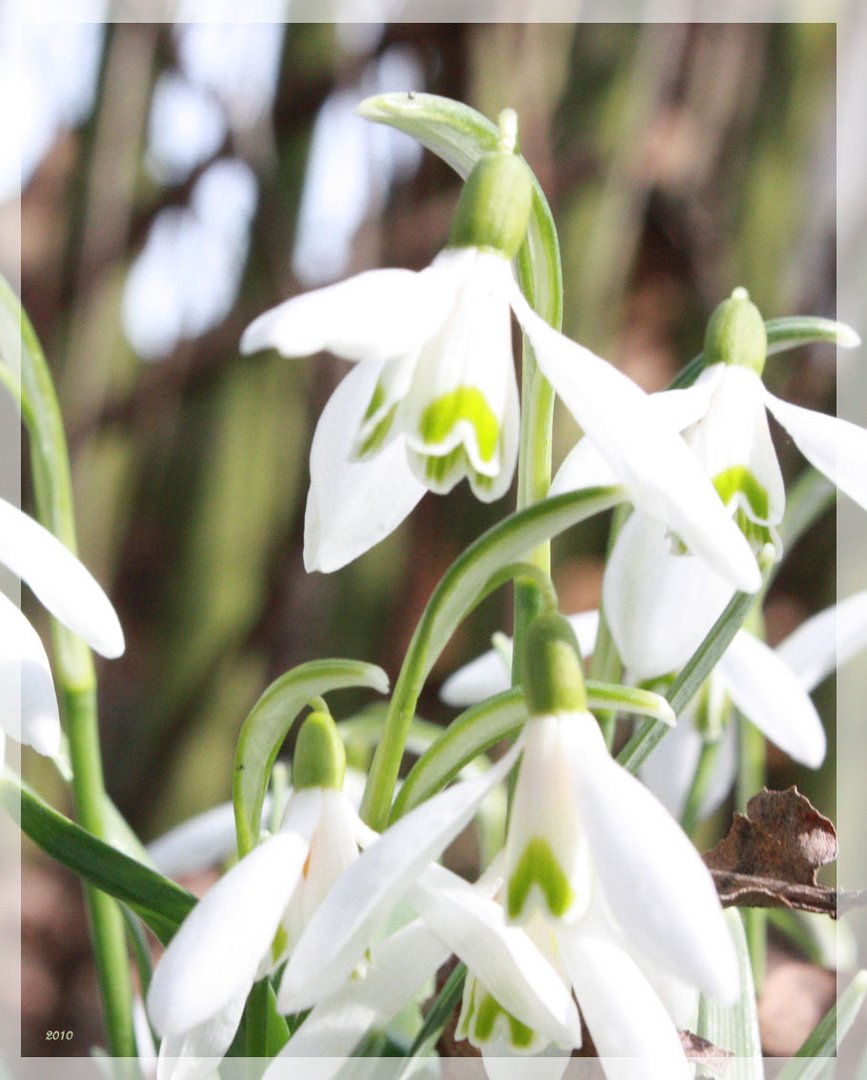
column 695, row 797
column 76, row 684
column 752, row 762
column 537, row 424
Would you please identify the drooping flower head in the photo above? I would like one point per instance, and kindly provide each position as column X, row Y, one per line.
column 661, row 601
column 434, row 397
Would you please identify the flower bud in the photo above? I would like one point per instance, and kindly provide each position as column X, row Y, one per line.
column 320, row 759
column 736, row 334
column 494, row 208
column 551, row 671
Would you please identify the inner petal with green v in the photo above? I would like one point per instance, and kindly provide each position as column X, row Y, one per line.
column 483, row 1018
column 538, row 866
column 738, row 480
column 465, row 406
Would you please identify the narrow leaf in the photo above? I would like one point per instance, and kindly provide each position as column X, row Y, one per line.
column 811, row 1060
column 269, row 722
column 736, row 1027
column 160, row 903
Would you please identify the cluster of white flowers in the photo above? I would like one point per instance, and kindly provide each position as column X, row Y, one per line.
column 598, row 906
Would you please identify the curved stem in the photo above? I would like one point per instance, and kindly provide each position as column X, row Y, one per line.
column 695, row 796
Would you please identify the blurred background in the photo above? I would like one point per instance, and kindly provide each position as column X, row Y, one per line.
column 179, row 180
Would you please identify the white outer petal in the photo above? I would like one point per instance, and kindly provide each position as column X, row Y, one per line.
column 196, row 1054
column 59, row 580
column 826, row 641
column 28, row 703
column 585, row 467
column 500, row 1065
column 769, row 694
column 375, row 315
column 398, row 968
column 502, row 957
column 200, row 842
column 659, row 605
column 345, row 923
column 352, row 505
column 835, row 447
column 629, row 1024
column 664, row 477
column 216, row 953
column 654, row 880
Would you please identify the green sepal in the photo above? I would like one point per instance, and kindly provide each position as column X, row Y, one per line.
column 319, row 759
column 268, row 724
column 736, row 334
column 551, row 671
column 494, row 208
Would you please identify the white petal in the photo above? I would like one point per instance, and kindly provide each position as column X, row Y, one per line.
column 196, row 1054
column 375, row 315
column 345, row 923
column 544, row 811
column 664, row 477
column 60, row 581
column 333, row 848
column 502, row 957
column 826, row 641
column 200, row 842
column 669, row 770
column 585, row 467
column 628, row 1023
column 217, row 951
column 769, row 694
column 28, row 703
column 654, row 880
column 398, row 968
column 353, row 505
column 835, row 447
column 586, row 626
column 735, row 433
column 659, row 605
column 478, row 680
column 471, row 352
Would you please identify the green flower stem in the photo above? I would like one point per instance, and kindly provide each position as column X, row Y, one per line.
column 606, row 665
column 695, row 797
column 76, row 683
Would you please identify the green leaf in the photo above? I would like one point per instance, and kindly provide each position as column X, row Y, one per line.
column 629, row 699
column 159, row 902
column 736, row 1027
column 697, row 668
column 811, row 1062
column 269, row 722
column 465, row 584
column 783, row 334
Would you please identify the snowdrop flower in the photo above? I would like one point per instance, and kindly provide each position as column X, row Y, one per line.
column 661, row 602
column 28, row 703
column 243, row 928
column 455, row 917
column 434, row 397
column 771, row 688
column 633, row 909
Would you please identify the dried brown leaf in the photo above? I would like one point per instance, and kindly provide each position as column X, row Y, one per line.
column 771, row 855
column 712, row 1060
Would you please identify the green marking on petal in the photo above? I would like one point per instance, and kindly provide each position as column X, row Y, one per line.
column 538, row 865
column 487, row 1012
column 466, row 403
column 378, row 435
column 739, row 480
column 377, row 400
column 278, row 945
